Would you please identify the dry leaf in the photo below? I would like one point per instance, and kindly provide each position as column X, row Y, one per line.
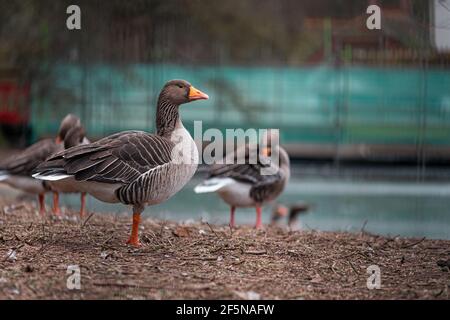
column 181, row 232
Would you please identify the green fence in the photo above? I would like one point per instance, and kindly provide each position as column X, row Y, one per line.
column 316, row 105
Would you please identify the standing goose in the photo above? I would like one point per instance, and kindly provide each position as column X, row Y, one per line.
column 75, row 136
column 134, row 167
column 16, row 170
column 243, row 185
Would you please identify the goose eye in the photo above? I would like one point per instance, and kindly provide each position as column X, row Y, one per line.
column 180, row 86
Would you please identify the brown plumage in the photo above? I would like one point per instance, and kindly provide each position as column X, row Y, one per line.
column 119, row 158
column 295, row 210
column 244, row 185
column 133, row 167
column 16, row 170
column 263, row 187
column 24, row 162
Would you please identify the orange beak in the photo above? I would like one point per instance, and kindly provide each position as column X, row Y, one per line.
column 58, row 140
column 195, row 94
column 282, row 211
column 266, row 152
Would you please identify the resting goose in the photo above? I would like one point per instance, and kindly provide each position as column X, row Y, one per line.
column 16, row 170
column 243, row 185
column 134, row 167
column 295, row 210
column 279, row 211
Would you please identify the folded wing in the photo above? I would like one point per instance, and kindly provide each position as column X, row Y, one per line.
column 119, row 158
column 26, row 161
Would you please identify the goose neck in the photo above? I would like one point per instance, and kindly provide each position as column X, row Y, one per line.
column 167, row 116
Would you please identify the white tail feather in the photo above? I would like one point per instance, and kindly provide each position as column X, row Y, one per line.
column 213, row 185
column 54, row 177
column 4, row 175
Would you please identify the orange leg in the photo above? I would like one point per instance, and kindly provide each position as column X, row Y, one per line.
column 232, row 210
column 83, row 204
column 41, row 198
column 134, row 238
column 56, row 210
column 258, row 218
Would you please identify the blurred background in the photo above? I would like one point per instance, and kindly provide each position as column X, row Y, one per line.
column 364, row 114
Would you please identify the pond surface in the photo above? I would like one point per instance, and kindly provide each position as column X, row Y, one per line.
column 405, row 208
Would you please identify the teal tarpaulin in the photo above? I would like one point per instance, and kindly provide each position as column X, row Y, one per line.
column 310, row 105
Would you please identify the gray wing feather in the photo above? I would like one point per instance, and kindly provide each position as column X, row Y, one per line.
column 27, row 160
column 262, row 186
column 119, row 158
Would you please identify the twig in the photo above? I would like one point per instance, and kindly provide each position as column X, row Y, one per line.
column 332, row 268
column 124, row 285
column 216, row 249
column 87, row 219
column 200, row 258
column 413, row 244
column 238, row 262
column 363, row 226
column 109, row 238
column 212, row 229
column 255, row 252
column 386, row 242
column 349, row 255
column 353, row 267
column 162, row 228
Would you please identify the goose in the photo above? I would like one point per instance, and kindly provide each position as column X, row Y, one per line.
column 16, row 170
column 75, row 136
column 279, row 211
column 293, row 212
column 134, row 167
column 243, row 185
column 296, row 210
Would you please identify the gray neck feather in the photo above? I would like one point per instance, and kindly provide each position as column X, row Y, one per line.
column 166, row 116
column 284, row 162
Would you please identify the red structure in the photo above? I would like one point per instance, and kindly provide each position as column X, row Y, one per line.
column 14, row 103
column 15, row 109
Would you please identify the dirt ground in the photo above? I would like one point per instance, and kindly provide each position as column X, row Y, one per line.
column 202, row 261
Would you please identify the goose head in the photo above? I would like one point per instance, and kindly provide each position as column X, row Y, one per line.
column 67, row 123
column 180, row 91
column 292, row 212
column 279, row 211
column 74, row 137
column 270, row 144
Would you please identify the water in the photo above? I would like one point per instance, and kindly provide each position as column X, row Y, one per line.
column 410, row 209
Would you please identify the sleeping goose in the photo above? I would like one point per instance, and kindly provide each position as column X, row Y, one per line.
column 16, row 170
column 243, row 185
column 134, row 167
